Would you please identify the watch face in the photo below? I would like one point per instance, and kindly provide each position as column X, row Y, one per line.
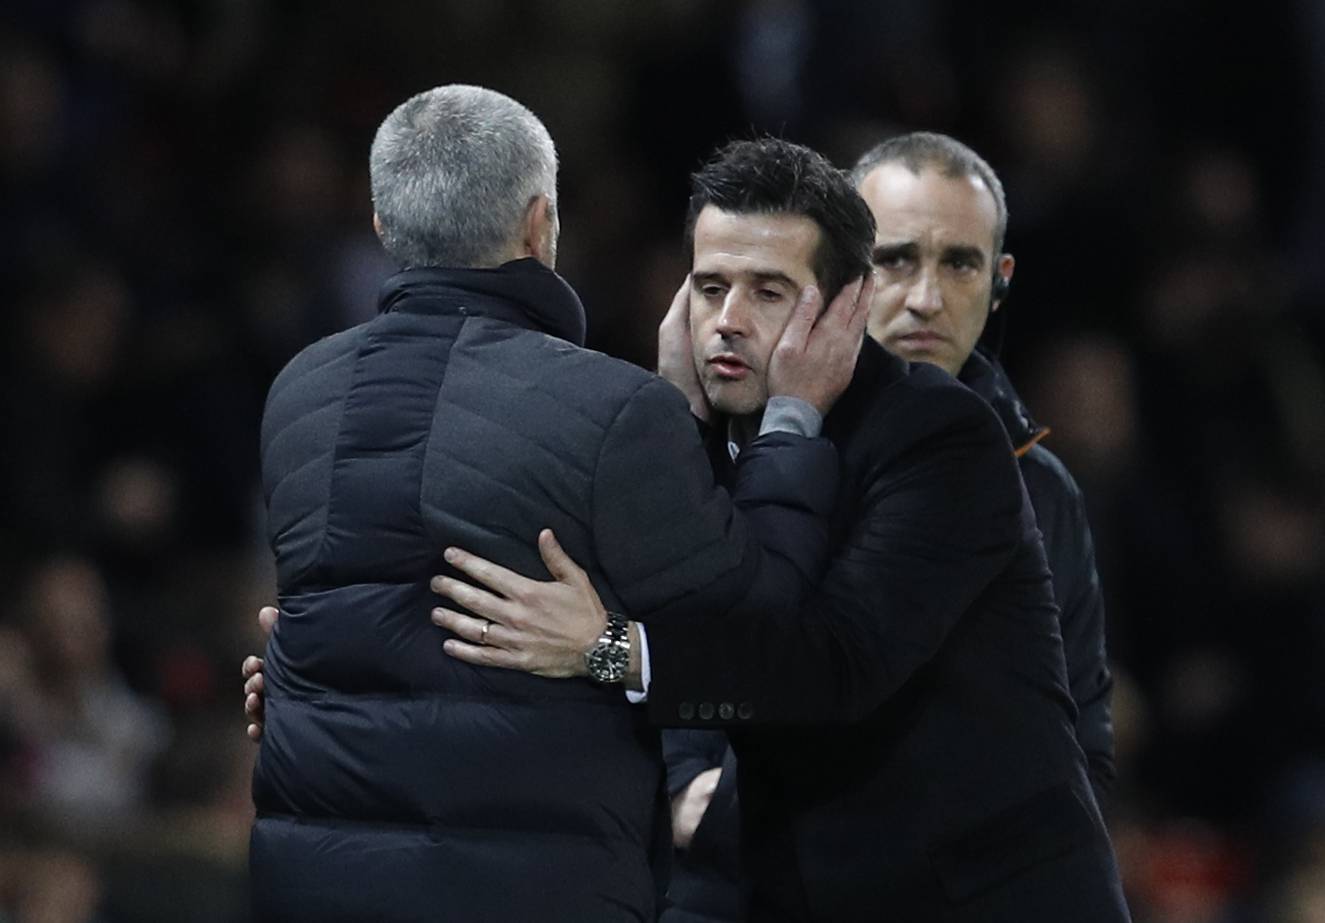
column 608, row 662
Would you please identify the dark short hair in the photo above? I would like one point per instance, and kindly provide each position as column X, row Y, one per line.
column 947, row 155
column 775, row 177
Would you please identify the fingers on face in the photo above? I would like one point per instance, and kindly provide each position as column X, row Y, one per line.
column 681, row 300
column 802, row 320
column 869, row 283
column 849, row 298
column 860, row 306
column 811, row 303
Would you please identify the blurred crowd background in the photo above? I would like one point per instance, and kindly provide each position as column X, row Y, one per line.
column 184, row 204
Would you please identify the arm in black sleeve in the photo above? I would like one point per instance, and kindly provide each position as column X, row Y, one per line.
column 942, row 513
column 666, row 536
column 1061, row 512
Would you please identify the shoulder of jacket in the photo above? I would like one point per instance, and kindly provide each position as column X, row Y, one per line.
column 1045, row 473
column 316, row 355
column 575, row 372
column 929, row 400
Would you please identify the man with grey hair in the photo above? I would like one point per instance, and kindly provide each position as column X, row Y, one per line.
column 436, row 204
column 395, row 783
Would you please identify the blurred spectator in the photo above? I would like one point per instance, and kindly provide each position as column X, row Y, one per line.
column 48, row 887
column 95, row 746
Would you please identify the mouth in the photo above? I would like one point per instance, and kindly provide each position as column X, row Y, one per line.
column 728, row 366
column 920, row 339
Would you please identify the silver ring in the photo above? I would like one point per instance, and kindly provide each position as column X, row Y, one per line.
column 483, row 638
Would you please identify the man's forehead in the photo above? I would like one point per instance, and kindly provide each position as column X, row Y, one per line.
column 755, row 242
column 930, row 207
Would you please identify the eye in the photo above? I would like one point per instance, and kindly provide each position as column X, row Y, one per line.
column 712, row 290
column 892, row 262
column 962, row 264
column 768, row 295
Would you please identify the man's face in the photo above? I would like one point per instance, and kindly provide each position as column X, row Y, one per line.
column 934, row 254
column 747, row 275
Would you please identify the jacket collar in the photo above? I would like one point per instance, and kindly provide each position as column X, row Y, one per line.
column 983, row 374
column 876, row 369
column 522, row 292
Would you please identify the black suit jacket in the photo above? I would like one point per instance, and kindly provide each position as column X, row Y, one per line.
column 905, row 739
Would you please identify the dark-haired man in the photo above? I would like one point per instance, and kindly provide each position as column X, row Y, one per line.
column 941, row 218
column 905, row 736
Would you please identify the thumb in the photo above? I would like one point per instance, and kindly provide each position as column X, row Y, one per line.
column 558, row 563
column 680, row 306
column 267, row 616
column 803, row 317
column 864, row 302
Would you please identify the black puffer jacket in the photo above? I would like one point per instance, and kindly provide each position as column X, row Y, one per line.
column 393, row 782
column 1060, row 511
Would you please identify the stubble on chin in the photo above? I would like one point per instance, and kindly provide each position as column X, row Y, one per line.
column 735, row 401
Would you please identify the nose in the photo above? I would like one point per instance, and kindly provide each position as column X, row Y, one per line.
column 924, row 297
column 734, row 318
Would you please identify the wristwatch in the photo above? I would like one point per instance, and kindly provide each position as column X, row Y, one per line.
column 609, row 658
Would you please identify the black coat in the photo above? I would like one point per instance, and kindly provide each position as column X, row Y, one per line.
column 906, row 742
column 706, row 884
column 395, row 783
column 1060, row 511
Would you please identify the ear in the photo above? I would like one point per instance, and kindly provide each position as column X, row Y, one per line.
column 1003, row 268
column 377, row 225
column 540, row 231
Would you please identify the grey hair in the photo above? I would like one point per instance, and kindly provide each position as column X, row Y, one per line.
column 921, row 149
column 453, row 170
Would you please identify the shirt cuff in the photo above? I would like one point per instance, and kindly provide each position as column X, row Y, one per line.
column 636, row 698
column 787, row 414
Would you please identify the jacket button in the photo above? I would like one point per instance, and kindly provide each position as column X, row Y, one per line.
column 745, row 711
column 685, row 711
column 726, row 710
column 706, row 711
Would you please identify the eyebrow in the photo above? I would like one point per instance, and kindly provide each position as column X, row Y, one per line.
column 763, row 277
column 884, row 251
column 911, row 250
